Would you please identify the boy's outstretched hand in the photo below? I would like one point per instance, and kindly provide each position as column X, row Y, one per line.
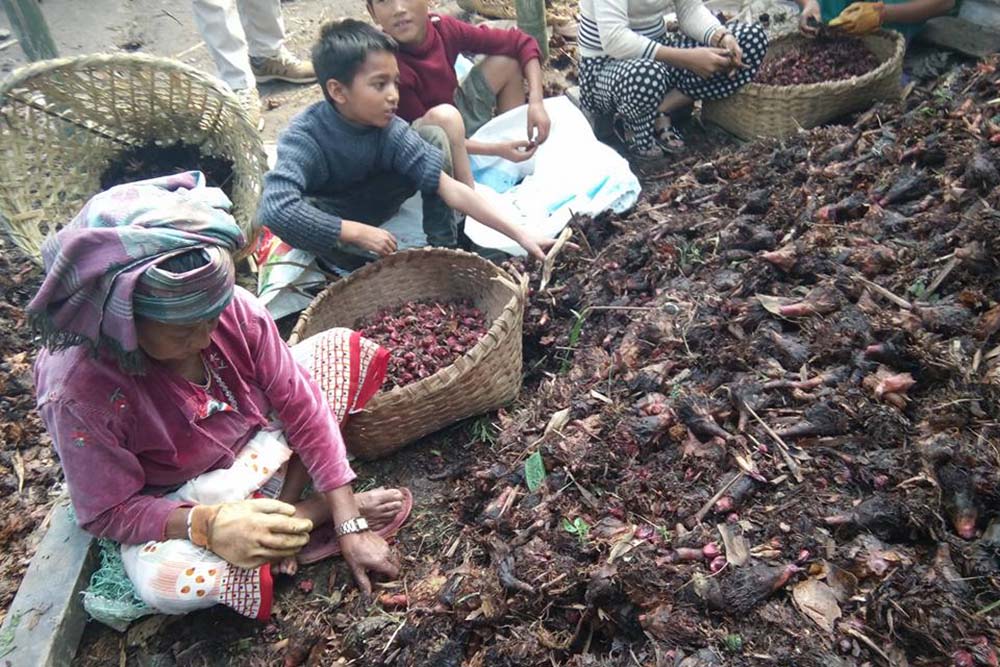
column 462, row 198
column 369, row 238
column 536, row 247
column 539, row 247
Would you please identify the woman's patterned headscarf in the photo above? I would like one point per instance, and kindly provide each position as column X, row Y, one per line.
column 102, row 268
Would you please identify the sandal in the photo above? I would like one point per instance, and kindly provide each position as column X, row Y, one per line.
column 623, row 135
column 323, row 542
column 668, row 137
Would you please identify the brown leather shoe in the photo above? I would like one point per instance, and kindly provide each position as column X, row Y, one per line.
column 282, row 67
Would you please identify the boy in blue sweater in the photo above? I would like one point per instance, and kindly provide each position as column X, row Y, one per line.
column 347, row 164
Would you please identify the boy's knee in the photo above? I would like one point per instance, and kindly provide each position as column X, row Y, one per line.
column 436, row 136
column 506, row 68
column 447, row 117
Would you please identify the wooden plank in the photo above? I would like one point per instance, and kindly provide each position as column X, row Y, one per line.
column 45, row 622
column 29, row 25
column 960, row 35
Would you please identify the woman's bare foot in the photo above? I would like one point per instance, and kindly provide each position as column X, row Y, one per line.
column 379, row 506
column 287, row 566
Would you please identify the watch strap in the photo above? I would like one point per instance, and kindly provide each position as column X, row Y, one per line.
column 356, row 525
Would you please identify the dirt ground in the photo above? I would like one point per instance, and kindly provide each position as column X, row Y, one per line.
column 166, row 28
column 764, row 403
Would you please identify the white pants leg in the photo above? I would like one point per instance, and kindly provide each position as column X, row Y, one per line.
column 220, row 27
column 176, row 577
column 264, row 28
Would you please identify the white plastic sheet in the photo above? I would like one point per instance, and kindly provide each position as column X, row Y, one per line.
column 572, row 172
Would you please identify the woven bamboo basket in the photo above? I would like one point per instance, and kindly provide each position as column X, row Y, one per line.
column 62, row 122
column 483, row 379
column 779, row 111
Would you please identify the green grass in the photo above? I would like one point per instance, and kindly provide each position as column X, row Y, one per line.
column 483, row 430
column 7, row 638
column 690, row 254
column 733, row 643
column 988, row 608
column 573, row 339
column 578, row 527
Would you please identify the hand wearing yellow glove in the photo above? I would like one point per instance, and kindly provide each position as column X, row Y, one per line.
column 249, row 533
column 860, row 18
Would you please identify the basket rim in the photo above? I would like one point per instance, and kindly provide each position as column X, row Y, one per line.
column 45, row 67
column 832, row 87
column 518, row 286
column 22, row 77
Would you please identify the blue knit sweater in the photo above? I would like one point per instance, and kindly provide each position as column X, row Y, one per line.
column 320, row 154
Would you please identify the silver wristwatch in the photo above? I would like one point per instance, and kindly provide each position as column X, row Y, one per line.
column 351, row 526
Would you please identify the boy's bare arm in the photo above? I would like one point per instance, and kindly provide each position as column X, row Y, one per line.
column 462, row 198
column 917, row 11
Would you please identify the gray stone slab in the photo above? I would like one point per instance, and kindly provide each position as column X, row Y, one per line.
column 981, row 12
column 961, row 35
column 45, row 622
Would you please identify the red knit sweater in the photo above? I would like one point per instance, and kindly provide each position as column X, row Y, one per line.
column 427, row 71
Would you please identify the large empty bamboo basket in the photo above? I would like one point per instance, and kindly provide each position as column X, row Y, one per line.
column 62, row 122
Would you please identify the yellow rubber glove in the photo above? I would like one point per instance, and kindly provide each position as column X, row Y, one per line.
column 249, row 533
column 860, row 18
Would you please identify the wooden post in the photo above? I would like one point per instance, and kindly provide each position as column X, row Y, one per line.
column 531, row 19
column 29, row 25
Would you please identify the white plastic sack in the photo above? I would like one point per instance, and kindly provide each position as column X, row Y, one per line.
column 572, row 172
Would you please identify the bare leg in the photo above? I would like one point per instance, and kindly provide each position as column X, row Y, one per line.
column 296, row 478
column 503, row 74
column 450, row 120
column 377, row 506
column 672, row 101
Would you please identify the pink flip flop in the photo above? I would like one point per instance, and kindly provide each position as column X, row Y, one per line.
column 323, row 541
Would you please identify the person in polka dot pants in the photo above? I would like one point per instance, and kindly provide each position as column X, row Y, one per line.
column 631, row 68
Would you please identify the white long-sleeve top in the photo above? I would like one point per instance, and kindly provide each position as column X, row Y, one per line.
column 626, row 29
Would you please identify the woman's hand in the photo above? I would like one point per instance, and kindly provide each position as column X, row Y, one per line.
column 250, row 533
column 810, row 19
column 706, row 61
column 515, row 151
column 860, row 18
column 367, row 552
column 732, row 47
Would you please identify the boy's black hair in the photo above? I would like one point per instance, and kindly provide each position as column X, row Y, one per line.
column 342, row 48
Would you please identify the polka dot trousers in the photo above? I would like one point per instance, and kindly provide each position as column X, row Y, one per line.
column 634, row 89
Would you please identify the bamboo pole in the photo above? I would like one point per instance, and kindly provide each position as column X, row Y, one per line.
column 29, row 25
column 531, row 19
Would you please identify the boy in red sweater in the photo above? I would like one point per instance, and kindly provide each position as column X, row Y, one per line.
column 429, row 92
